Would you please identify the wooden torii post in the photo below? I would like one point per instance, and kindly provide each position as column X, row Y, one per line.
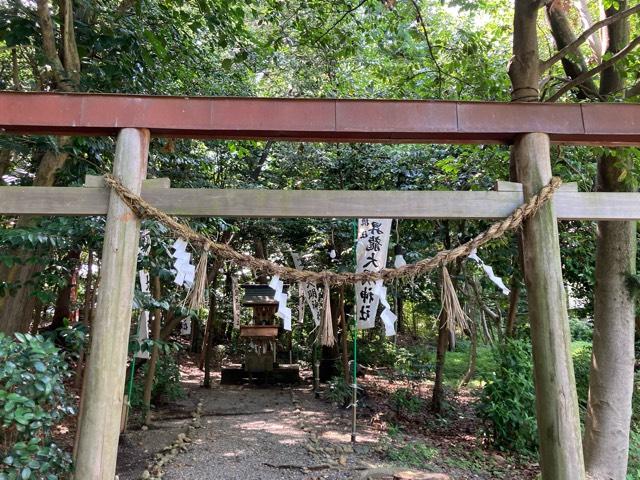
column 135, row 118
column 103, row 389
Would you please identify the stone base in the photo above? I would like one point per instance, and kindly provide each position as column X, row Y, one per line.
column 281, row 374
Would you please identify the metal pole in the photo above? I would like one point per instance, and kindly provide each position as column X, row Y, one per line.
column 354, row 396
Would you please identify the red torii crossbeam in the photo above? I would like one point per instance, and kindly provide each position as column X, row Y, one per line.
column 330, row 120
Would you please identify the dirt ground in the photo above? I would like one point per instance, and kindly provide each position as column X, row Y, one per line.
column 251, row 432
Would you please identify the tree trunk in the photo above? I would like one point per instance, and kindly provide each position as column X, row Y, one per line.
column 155, row 352
column 5, row 161
column 473, row 351
column 556, row 398
column 607, row 423
column 16, row 311
column 400, row 309
column 67, row 295
column 443, row 343
column 86, row 317
column 606, row 437
column 514, row 297
column 443, row 338
column 563, row 36
column 210, row 334
column 344, row 337
column 524, row 67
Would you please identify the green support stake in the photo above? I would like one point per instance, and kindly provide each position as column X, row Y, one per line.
column 354, row 396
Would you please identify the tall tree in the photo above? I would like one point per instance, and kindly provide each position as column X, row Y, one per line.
column 607, row 423
column 556, row 399
column 63, row 63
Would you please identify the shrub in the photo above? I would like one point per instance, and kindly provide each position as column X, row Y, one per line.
column 507, row 403
column 339, row 391
column 581, row 330
column 166, row 386
column 405, row 401
column 411, row 363
column 581, row 368
column 33, row 400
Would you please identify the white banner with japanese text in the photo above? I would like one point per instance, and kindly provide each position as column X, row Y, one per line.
column 371, row 256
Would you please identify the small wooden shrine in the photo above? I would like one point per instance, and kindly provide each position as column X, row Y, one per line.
column 262, row 332
column 261, row 337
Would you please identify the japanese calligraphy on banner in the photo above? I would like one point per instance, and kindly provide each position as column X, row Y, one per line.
column 311, row 292
column 371, row 256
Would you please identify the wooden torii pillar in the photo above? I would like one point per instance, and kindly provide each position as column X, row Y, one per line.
column 103, row 390
column 556, row 399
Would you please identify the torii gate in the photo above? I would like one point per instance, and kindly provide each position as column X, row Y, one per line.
column 529, row 127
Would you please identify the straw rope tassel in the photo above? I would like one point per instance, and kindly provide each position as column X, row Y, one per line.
column 196, row 296
column 451, row 304
column 326, row 322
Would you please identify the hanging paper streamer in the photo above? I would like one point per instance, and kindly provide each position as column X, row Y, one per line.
column 371, row 255
column 489, row 271
column 311, row 292
column 283, row 312
column 143, row 320
column 185, row 272
column 235, row 295
column 185, row 326
column 388, row 317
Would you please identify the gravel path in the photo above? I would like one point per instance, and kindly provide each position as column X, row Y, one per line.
column 254, row 433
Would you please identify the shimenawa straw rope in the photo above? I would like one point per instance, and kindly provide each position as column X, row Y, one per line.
column 525, row 211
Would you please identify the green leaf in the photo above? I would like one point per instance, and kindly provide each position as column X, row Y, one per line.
column 40, row 367
column 26, row 473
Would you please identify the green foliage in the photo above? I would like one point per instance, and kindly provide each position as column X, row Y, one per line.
column 633, row 468
column 407, row 362
column 581, row 330
column 414, row 454
column 166, row 385
column 457, row 363
column 405, row 401
column 33, row 400
column 507, row 403
column 339, row 391
column 581, row 367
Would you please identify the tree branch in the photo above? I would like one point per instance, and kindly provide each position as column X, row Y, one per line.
column 69, row 47
column 632, row 91
column 49, row 46
column 545, row 65
column 337, row 22
column 594, row 71
column 429, row 46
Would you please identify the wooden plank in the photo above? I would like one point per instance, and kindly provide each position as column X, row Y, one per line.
column 329, row 120
column 77, row 201
column 99, row 425
column 503, row 186
column 556, row 399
